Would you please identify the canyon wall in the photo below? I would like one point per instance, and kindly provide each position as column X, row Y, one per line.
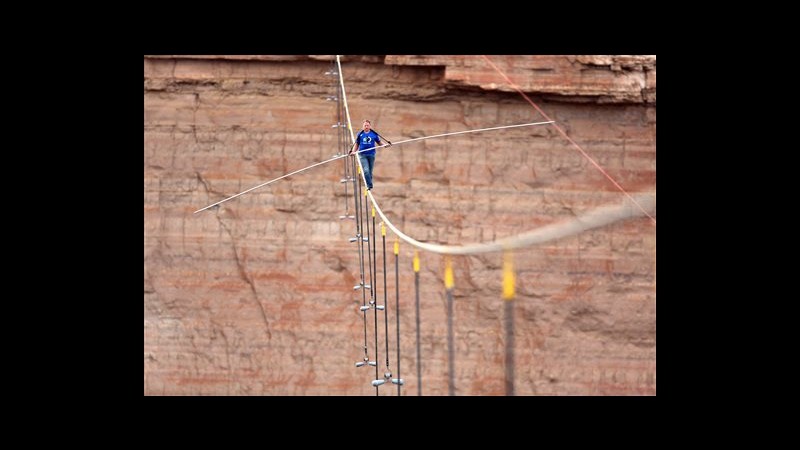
column 256, row 297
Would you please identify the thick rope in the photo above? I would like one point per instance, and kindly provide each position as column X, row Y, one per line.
column 595, row 218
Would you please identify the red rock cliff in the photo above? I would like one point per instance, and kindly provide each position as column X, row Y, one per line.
column 256, row 298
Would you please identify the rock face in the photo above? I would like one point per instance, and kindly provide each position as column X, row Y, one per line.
column 256, row 297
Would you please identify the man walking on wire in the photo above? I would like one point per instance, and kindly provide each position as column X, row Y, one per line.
column 366, row 140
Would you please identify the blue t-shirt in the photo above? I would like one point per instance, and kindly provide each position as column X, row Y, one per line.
column 367, row 141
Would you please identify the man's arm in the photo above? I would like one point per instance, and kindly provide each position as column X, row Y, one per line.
column 388, row 142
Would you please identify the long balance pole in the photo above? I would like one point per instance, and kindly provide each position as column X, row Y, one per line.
column 379, row 146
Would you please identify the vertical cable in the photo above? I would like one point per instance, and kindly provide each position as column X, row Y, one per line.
column 342, row 143
column 448, row 284
column 374, row 269
column 508, row 297
column 342, row 146
column 385, row 294
column 356, row 195
column 419, row 357
column 371, row 240
column 397, row 305
column 359, row 240
column 364, row 209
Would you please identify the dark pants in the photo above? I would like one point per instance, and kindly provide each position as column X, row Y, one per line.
column 367, row 163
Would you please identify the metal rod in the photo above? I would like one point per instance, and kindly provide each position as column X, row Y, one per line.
column 372, row 293
column 397, row 305
column 361, row 264
column 344, row 98
column 508, row 299
column 509, row 319
column 270, row 182
column 419, row 357
column 374, row 273
column 385, row 296
column 448, row 284
column 340, row 140
column 451, row 379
